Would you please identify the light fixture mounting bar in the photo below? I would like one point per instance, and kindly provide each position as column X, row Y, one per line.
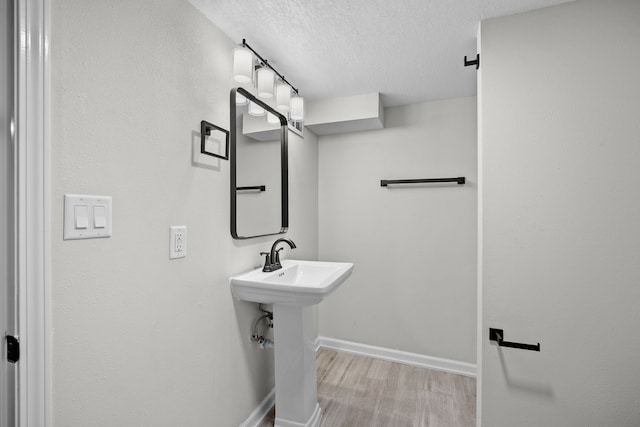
column 266, row 63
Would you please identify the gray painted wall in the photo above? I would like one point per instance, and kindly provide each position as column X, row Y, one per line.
column 560, row 254
column 139, row 339
column 413, row 287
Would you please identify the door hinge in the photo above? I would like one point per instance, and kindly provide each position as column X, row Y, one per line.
column 13, row 348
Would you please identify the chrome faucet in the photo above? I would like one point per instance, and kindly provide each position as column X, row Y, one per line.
column 272, row 259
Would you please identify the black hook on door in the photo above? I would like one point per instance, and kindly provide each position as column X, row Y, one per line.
column 475, row 62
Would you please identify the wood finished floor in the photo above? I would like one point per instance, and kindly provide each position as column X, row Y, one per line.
column 357, row 391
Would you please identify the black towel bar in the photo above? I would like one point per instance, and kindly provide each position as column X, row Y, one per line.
column 205, row 130
column 384, row 182
column 255, row 187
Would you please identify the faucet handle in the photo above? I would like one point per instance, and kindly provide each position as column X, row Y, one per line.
column 267, row 262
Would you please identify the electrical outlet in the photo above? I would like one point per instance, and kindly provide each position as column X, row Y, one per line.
column 178, row 242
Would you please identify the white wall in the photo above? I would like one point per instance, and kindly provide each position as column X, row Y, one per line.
column 561, row 215
column 413, row 285
column 139, row 339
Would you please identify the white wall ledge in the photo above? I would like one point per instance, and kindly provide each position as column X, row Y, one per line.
column 346, row 114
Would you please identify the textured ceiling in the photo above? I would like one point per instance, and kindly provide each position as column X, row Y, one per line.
column 408, row 50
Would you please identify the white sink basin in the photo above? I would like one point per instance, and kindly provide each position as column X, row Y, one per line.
column 293, row 290
column 297, row 283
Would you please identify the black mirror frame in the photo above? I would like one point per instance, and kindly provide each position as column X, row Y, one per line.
column 284, row 163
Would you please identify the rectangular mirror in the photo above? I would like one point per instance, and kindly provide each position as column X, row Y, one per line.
column 259, row 168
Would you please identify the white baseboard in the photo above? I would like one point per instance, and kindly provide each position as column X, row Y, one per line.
column 261, row 410
column 397, row 356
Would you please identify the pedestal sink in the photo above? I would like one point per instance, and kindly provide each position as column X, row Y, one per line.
column 293, row 290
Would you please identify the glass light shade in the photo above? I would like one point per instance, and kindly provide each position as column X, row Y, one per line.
column 272, row 119
column 297, row 108
column 255, row 109
column 265, row 82
column 242, row 65
column 283, row 97
column 241, row 99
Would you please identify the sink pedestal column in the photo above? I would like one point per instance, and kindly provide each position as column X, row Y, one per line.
column 295, row 360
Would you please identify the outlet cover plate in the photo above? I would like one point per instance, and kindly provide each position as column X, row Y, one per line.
column 178, row 241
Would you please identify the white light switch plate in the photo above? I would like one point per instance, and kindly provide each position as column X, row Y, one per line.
column 86, row 217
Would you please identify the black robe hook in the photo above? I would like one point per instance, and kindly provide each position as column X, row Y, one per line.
column 475, row 62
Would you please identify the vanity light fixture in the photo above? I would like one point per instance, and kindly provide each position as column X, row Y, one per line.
column 297, row 108
column 241, row 99
column 255, row 109
column 242, row 65
column 283, row 97
column 272, row 119
column 265, row 79
column 265, row 82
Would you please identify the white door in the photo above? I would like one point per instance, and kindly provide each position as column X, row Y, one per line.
column 559, row 97
column 7, row 217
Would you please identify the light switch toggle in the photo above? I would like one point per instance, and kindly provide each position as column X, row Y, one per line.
column 81, row 213
column 99, row 217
